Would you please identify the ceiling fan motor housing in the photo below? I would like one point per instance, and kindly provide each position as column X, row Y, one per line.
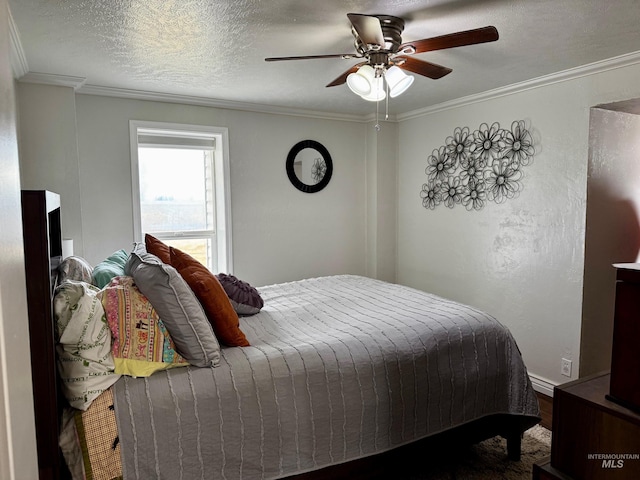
column 379, row 59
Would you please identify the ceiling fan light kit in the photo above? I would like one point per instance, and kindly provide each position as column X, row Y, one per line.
column 369, row 82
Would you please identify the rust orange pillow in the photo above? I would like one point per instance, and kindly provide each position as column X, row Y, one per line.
column 212, row 297
column 157, row 248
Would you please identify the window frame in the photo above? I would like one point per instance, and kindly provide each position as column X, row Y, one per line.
column 221, row 166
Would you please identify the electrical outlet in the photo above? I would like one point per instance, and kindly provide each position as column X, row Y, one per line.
column 565, row 369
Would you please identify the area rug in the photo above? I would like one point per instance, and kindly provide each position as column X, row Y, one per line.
column 487, row 460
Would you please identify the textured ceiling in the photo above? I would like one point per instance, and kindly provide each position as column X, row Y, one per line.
column 216, row 49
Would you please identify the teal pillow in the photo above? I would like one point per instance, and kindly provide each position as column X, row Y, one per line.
column 112, row 266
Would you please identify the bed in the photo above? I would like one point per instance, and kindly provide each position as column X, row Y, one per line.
column 338, row 370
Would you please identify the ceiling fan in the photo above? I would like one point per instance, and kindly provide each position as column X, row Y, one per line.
column 378, row 42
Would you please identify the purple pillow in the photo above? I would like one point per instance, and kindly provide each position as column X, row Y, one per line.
column 245, row 299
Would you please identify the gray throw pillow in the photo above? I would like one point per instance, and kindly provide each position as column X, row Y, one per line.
column 177, row 307
column 135, row 259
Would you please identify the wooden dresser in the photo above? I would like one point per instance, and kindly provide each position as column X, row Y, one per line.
column 596, row 419
column 625, row 355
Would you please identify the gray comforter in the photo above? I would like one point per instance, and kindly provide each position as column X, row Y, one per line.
column 339, row 368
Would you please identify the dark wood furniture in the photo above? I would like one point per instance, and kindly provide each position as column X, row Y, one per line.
column 591, row 435
column 42, row 255
column 625, row 357
column 544, row 471
column 595, row 433
column 546, row 410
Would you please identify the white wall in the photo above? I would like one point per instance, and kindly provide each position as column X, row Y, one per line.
column 49, row 149
column 279, row 233
column 17, row 432
column 382, row 153
column 523, row 260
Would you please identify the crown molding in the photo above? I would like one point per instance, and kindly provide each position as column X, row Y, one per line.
column 53, row 79
column 18, row 59
column 213, row 102
column 562, row 76
column 80, row 87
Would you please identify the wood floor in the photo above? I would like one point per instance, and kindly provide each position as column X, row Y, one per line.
column 546, row 410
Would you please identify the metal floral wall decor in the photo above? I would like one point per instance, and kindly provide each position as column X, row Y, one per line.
column 474, row 168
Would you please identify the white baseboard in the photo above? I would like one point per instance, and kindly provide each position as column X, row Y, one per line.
column 542, row 385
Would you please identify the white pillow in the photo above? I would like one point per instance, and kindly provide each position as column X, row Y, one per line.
column 85, row 361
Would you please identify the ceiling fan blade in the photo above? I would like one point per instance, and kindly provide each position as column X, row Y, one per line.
column 310, row 57
column 426, row 69
column 459, row 39
column 343, row 78
column 368, row 28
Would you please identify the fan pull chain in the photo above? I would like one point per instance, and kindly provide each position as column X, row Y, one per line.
column 377, row 125
column 386, row 115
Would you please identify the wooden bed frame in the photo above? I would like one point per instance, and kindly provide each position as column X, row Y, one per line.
column 43, row 254
column 389, row 464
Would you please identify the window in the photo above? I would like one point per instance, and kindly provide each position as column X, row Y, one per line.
column 180, row 176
